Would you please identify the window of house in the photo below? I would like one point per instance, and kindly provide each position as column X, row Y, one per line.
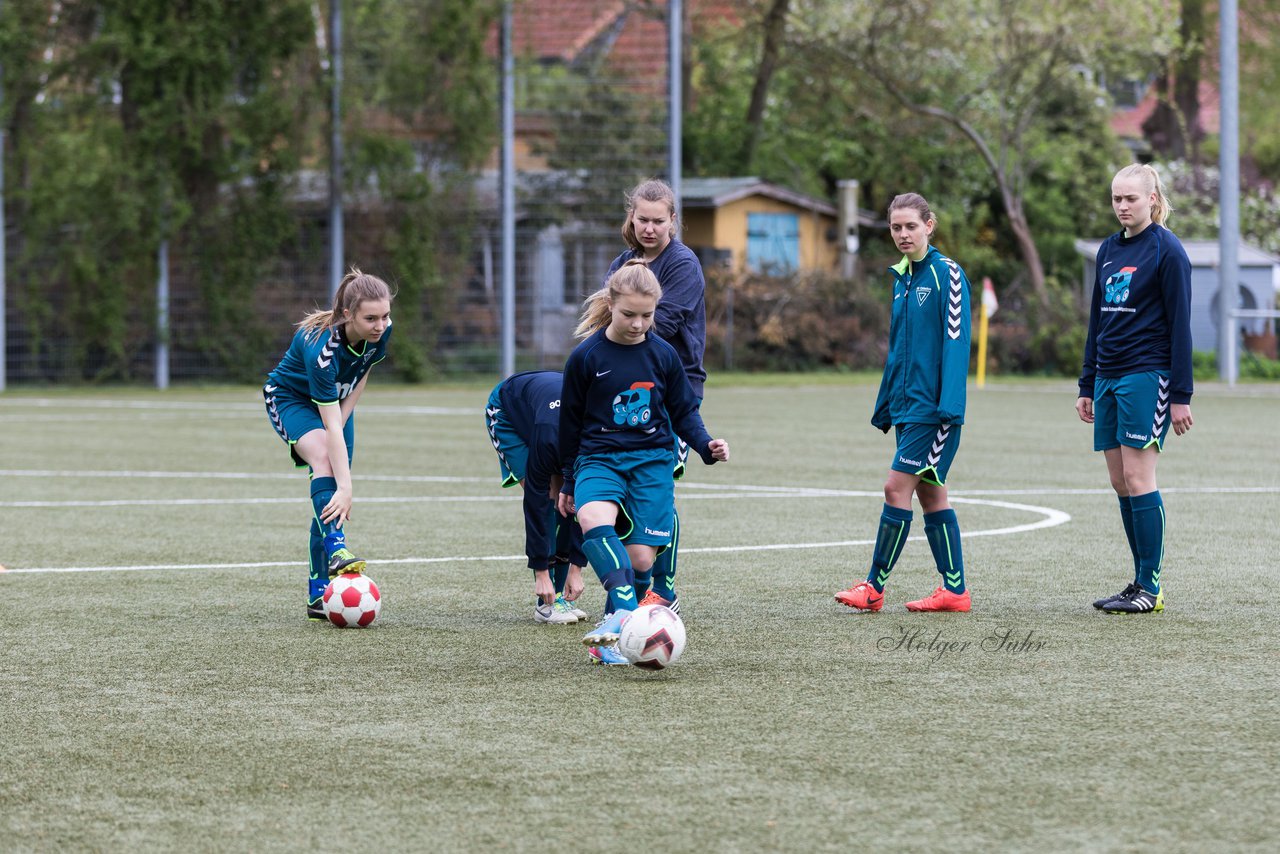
column 773, row 242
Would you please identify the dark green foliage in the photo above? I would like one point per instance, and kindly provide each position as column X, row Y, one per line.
column 1259, row 87
column 422, row 69
column 202, row 122
column 1204, row 364
column 840, row 125
column 1194, row 194
column 153, row 121
column 795, row 323
column 232, row 252
column 84, row 227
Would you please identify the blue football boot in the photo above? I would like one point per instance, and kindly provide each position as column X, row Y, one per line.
column 607, row 631
column 605, row 655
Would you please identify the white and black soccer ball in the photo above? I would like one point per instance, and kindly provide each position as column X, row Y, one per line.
column 352, row 601
column 652, row 637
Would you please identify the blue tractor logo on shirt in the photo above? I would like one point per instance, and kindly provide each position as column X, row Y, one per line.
column 632, row 406
column 1117, row 287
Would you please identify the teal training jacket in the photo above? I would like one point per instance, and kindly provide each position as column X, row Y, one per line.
column 928, row 363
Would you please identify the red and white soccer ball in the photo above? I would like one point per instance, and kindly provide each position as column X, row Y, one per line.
column 352, row 601
column 652, row 637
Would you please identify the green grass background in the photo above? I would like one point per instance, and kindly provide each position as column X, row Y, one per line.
column 196, row 709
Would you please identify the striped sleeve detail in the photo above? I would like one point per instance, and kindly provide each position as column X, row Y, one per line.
column 325, row 357
column 955, row 300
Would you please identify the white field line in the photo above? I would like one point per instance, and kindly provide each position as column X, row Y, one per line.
column 687, row 491
column 118, row 418
column 235, row 475
column 503, row 495
column 382, row 478
column 53, row 403
column 807, row 491
column 257, row 565
column 1052, row 517
column 214, row 502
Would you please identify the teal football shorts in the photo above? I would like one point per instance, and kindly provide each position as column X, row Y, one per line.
column 1131, row 410
column 926, row 450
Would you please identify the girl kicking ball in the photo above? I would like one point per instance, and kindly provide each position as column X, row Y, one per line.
column 625, row 393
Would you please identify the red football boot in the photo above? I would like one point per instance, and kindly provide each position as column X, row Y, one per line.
column 941, row 599
column 861, row 596
column 652, row 598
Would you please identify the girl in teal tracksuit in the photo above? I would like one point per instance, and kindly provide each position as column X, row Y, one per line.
column 922, row 396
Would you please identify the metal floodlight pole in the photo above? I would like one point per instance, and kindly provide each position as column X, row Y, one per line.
column 3, row 244
column 675, row 77
column 1228, row 189
column 507, row 203
column 335, row 147
column 162, row 316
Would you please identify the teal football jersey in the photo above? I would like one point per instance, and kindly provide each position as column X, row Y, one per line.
column 323, row 367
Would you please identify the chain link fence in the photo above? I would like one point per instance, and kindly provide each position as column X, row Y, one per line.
column 421, row 202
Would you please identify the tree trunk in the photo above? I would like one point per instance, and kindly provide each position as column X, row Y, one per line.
column 1186, row 86
column 775, row 25
column 1174, row 126
column 1027, row 247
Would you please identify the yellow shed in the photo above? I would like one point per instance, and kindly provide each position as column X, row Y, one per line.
column 752, row 224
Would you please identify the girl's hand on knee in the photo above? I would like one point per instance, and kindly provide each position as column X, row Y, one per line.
column 338, row 510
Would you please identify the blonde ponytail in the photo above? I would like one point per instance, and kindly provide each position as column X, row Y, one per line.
column 356, row 288
column 633, row 277
column 1151, row 183
column 595, row 313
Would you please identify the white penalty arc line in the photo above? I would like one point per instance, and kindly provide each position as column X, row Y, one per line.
column 1052, row 518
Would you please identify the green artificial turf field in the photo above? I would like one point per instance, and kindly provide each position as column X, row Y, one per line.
column 162, row 689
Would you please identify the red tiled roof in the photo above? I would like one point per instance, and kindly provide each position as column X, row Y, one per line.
column 564, row 30
column 561, row 29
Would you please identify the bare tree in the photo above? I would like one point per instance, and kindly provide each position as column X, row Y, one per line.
column 775, row 25
column 986, row 69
